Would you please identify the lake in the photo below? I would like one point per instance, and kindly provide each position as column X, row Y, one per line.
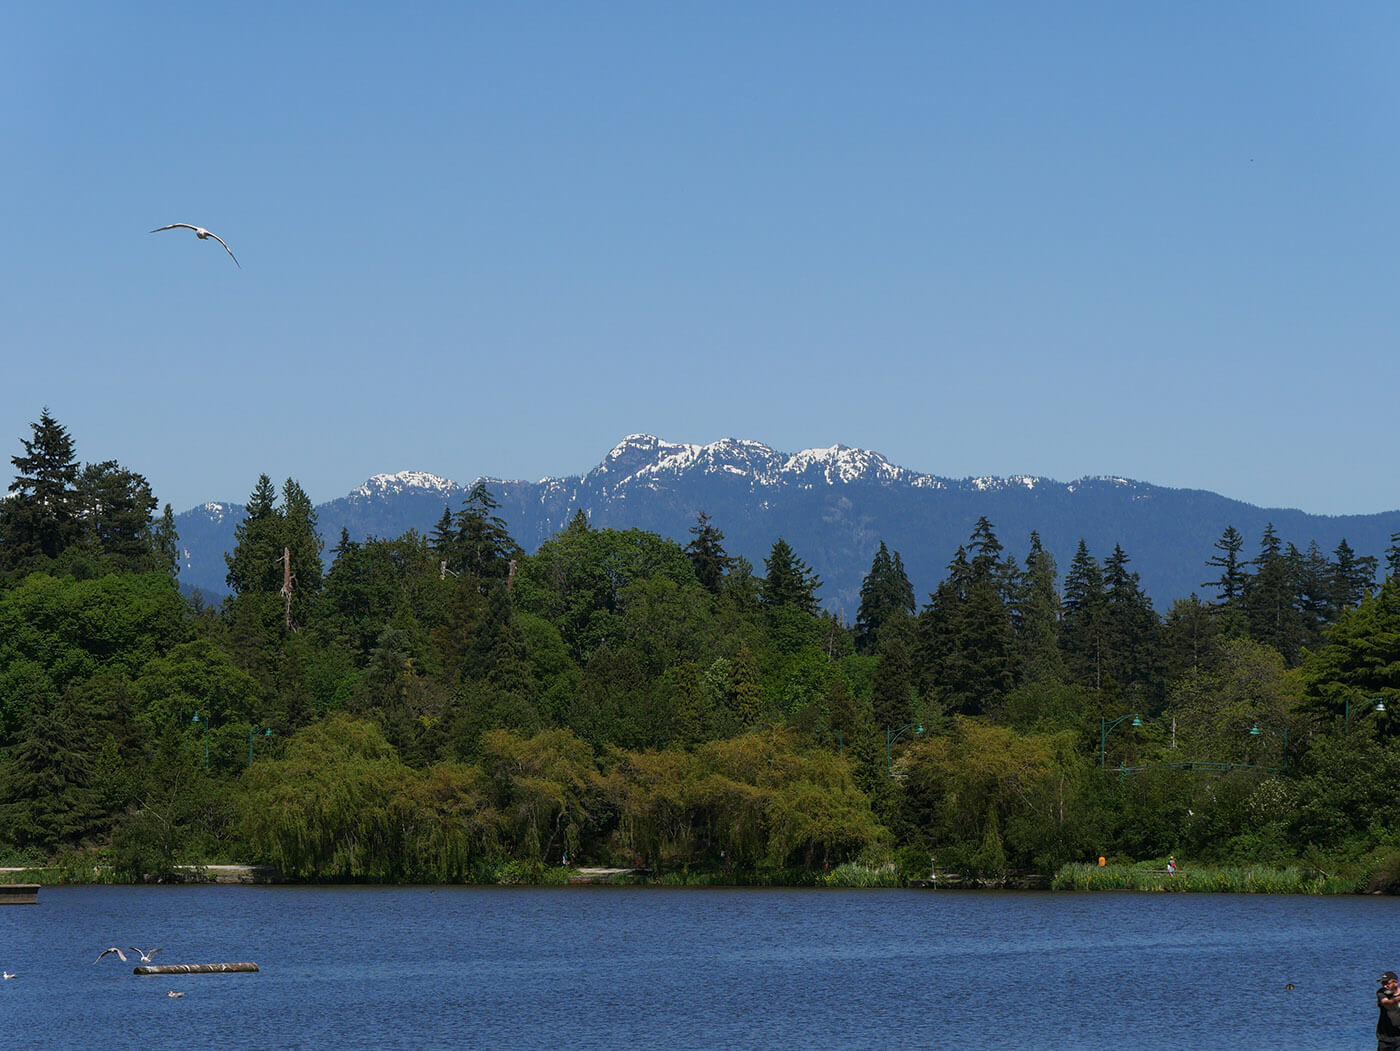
column 613, row 967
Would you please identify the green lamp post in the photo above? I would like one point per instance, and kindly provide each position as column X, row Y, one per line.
column 205, row 720
column 892, row 735
column 257, row 731
column 1105, row 726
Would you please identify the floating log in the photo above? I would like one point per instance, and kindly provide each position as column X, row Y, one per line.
column 195, row 968
column 19, row 893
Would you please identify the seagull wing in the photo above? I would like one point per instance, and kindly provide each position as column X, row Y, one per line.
column 174, row 226
column 227, row 249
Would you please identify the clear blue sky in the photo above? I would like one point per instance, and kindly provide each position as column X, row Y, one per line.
column 1149, row 240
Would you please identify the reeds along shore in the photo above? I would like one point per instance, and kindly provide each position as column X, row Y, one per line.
column 1250, row 879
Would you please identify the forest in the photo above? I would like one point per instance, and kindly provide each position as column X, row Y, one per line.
column 445, row 707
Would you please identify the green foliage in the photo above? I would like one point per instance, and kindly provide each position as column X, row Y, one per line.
column 447, row 708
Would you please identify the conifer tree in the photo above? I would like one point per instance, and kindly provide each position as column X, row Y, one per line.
column 707, row 554
column 969, row 633
column 1269, row 599
column 1081, row 634
column 789, row 581
column 1353, row 577
column 165, row 543
column 1131, row 630
column 885, row 594
column 746, row 697
column 481, row 544
column 254, row 564
column 894, row 677
column 1037, row 617
column 1231, row 582
column 39, row 518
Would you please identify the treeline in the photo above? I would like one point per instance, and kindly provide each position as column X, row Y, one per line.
column 447, row 707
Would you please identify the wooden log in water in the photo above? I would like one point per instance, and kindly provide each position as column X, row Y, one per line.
column 195, row 968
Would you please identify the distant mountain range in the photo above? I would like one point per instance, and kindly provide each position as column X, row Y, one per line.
column 833, row 506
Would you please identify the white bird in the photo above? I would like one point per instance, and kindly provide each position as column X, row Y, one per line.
column 7, row 974
column 145, row 956
column 120, row 955
column 174, row 995
column 203, row 235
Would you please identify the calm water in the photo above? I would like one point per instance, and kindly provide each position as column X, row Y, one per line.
column 599, row 967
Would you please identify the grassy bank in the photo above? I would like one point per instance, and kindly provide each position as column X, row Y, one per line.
column 1249, row 879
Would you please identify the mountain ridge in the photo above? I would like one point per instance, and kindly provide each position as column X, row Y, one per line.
column 833, row 505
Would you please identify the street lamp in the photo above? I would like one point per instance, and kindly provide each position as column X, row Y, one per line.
column 892, row 735
column 1346, row 723
column 1256, row 730
column 1105, row 726
column 253, row 733
column 205, row 720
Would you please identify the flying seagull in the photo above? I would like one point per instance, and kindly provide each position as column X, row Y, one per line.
column 120, row 955
column 145, row 956
column 203, row 235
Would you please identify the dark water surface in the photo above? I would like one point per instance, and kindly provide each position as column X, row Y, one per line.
column 601, row 967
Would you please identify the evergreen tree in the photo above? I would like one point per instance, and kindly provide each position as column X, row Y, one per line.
column 1353, row 577
column 894, row 677
column 969, row 635
column 1392, row 557
column 481, row 545
column 1188, row 638
column 166, row 543
column 1314, row 592
column 300, row 537
column 255, row 563
column 789, row 581
column 1081, row 634
column 274, row 542
column 707, row 554
column 746, row 693
column 113, row 508
column 39, row 519
column 1231, row 582
column 1037, row 617
column 885, row 595
column 1132, row 632
column 1269, row 599
column 442, row 536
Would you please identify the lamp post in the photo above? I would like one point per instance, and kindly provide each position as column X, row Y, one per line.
column 892, row 735
column 1105, row 726
column 1256, row 730
column 205, row 720
column 254, row 732
column 1346, row 722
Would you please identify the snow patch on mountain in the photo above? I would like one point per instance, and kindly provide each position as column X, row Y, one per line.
column 643, row 459
column 386, row 484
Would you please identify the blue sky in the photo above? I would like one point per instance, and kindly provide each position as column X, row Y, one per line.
column 1148, row 240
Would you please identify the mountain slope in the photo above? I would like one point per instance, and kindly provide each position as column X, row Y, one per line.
column 833, row 506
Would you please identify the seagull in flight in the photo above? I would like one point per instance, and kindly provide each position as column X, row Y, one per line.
column 145, row 956
column 120, row 955
column 203, row 235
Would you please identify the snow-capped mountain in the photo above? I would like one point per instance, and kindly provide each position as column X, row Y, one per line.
column 833, row 506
